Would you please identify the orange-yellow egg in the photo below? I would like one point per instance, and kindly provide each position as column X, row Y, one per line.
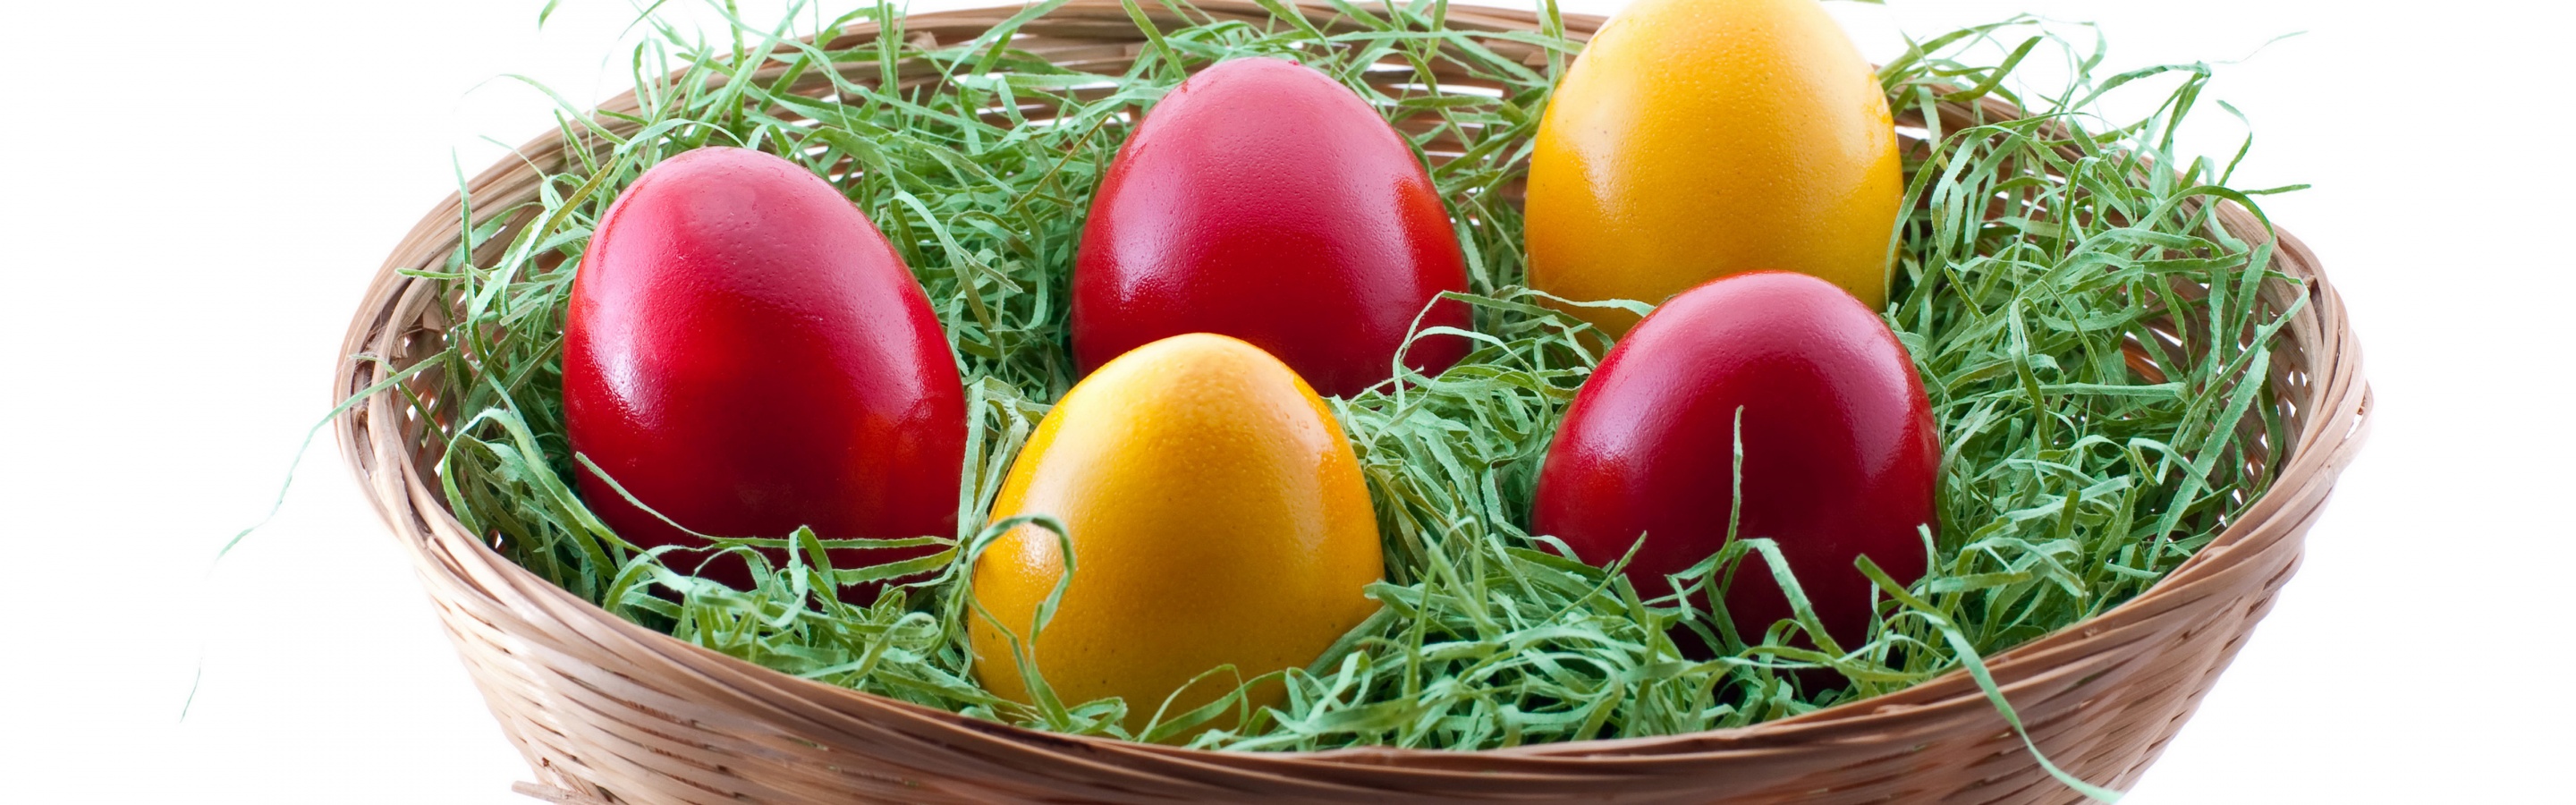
column 1694, row 139
column 1216, row 515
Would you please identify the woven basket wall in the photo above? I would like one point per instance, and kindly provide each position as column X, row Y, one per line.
column 609, row 712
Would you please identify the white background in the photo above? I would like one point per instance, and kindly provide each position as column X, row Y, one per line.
column 192, row 196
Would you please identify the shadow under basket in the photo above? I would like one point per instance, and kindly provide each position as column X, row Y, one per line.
column 607, row 711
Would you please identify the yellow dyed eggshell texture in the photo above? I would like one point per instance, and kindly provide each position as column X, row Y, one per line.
column 1216, row 515
column 1694, row 139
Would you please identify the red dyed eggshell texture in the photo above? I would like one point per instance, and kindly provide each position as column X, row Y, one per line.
column 1840, row 452
column 745, row 353
column 1265, row 201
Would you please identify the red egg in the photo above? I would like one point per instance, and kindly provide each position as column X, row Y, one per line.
column 746, row 354
column 1265, row 201
column 1840, row 451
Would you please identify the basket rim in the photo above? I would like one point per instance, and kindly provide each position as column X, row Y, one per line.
column 2338, row 421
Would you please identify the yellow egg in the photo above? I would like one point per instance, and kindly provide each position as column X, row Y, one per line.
column 1699, row 138
column 1216, row 514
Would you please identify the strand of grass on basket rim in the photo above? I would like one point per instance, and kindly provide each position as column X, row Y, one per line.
column 2036, row 259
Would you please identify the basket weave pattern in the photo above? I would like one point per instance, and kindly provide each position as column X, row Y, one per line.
column 606, row 711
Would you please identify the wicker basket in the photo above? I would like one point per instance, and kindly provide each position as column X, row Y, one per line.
column 607, row 711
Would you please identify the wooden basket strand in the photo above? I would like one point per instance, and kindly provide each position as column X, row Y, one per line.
column 606, row 711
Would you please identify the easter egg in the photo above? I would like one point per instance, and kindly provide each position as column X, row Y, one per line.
column 745, row 354
column 1262, row 200
column 1840, row 452
column 1216, row 516
column 1694, row 139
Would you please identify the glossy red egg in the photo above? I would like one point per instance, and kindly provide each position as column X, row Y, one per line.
column 1265, row 201
column 745, row 353
column 1840, row 452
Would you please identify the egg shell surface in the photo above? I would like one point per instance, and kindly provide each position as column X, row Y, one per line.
column 1216, row 516
column 1263, row 200
column 746, row 354
column 1841, row 454
column 1694, row 139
